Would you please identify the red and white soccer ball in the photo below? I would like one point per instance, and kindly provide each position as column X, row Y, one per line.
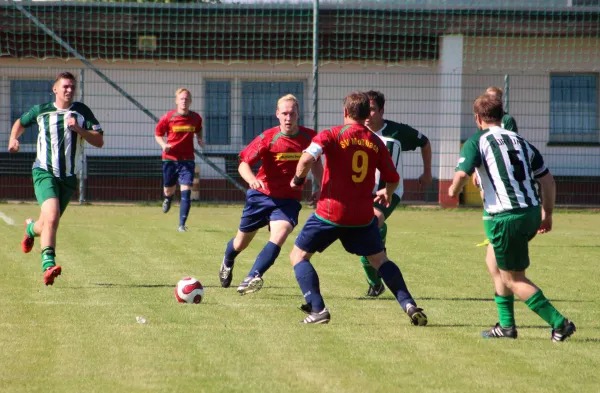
column 189, row 290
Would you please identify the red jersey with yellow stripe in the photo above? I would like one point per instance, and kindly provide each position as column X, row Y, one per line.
column 352, row 154
column 180, row 130
column 280, row 154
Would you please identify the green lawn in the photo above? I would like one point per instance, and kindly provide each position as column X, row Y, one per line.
column 120, row 262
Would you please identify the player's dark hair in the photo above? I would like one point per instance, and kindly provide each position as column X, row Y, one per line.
column 65, row 75
column 378, row 97
column 357, row 105
column 489, row 108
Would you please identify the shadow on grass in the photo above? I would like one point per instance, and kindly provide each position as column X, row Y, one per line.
column 113, row 285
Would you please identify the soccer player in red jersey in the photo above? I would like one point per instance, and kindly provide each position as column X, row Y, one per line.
column 270, row 200
column 179, row 125
column 345, row 208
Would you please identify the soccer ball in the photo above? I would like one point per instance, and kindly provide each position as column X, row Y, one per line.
column 189, row 290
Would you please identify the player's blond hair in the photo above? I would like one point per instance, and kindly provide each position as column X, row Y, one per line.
column 289, row 97
column 495, row 91
column 182, row 90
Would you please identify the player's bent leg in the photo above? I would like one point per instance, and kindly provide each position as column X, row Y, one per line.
column 535, row 300
column 168, row 194
column 28, row 235
column 280, row 230
column 234, row 247
column 390, row 272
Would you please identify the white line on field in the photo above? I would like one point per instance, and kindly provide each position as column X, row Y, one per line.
column 7, row 219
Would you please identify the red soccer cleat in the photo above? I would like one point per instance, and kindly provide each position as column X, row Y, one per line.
column 27, row 243
column 50, row 274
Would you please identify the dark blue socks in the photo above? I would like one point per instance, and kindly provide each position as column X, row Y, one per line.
column 184, row 208
column 309, row 285
column 265, row 259
column 390, row 272
column 230, row 254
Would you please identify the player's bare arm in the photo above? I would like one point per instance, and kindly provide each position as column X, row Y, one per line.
column 426, row 178
column 246, row 173
column 161, row 142
column 15, row 133
column 317, row 172
column 92, row 137
column 458, row 183
column 304, row 165
column 548, row 187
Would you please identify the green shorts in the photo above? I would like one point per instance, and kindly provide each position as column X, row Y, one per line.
column 387, row 211
column 510, row 234
column 47, row 186
column 487, row 224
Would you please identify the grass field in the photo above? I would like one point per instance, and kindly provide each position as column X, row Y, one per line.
column 120, row 262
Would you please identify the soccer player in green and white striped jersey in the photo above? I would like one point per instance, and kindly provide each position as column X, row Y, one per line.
column 510, row 169
column 398, row 137
column 64, row 125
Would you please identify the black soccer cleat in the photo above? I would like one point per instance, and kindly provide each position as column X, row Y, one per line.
column 499, row 332
column 375, row 290
column 416, row 315
column 564, row 332
column 225, row 275
column 166, row 205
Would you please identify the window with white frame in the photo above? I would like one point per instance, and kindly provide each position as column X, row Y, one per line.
column 24, row 94
column 574, row 108
column 259, row 103
column 217, row 114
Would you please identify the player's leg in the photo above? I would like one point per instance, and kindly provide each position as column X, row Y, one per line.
column 254, row 217
column 316, row 235
column 367, row 241
column 282, row 220
column 510, row 239
column 169, row 184
column 185, row 178
column 504, row 299
column 376, row 287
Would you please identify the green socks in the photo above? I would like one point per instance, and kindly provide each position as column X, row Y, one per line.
column 48, row 256
column 29, row 229
column 542, row 307
column 506, row 310
column 371, row 273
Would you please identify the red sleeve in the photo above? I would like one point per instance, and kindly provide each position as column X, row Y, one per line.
column 162, row 127
column 199, row 123
column 324, row 139
column 387, row 170
column 253, row 152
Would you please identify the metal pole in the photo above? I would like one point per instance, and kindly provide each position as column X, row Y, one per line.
column 315, row 90
column 83, row 173
column 506, row 88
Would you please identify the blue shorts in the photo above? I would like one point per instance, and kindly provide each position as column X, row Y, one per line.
column 317, row 235
column 260, row 209
column 181, row 172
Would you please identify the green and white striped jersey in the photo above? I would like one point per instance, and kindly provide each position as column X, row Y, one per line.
column 59, row 150
column 507, row 165
column 398, row 137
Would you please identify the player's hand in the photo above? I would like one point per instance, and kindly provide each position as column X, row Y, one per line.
column 425, row 179
column 294, row 186
column 13, row 145
column 200, row 142
column 256, row 184
column 546, row 225
column 382, row 197
column 453, row 191
column 475, row 181
column 166, row 148
column 72, row 124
